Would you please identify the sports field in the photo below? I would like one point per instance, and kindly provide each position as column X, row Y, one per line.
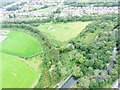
column 15, row 73
column 63, row 31
column 21, row 44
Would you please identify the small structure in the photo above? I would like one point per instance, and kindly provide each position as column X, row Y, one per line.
column 70, row 46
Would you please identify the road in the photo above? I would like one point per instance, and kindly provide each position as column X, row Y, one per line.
column 116, row 84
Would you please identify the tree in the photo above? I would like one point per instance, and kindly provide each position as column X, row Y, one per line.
column 80, row 58
column 83, row 82
column 113, row 74
column 109, row 79
column 98, row 64
column 93, row 84
column 89, row 63
column 64, row 71
column 10, row 16
column 72, row 54
column 78, row 45
column 84, row 69
column 101, row 83
column 13, row 8
column 62, row 48
column 14, row 15
column 90, row 71
column 77, row 72
column 55, row 72
column 97, row 72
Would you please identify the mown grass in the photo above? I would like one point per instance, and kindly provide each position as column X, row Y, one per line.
column 41, row 10
column 15, row 73
column 21, row 44
column 63, row 31
column 45, row 9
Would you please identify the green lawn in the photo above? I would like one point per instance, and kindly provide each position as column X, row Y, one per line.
column 41, row 10
column 21, row 44
column 63, row 31
column 15, row 73
column 45, row 9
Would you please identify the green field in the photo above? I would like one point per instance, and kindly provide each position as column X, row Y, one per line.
column 41, row 10
column 15, row 73
column 63, row 31
column 45, row 9
column 21, row 44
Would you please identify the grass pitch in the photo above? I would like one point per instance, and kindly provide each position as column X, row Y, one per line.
column 15, row 73
column 21, row 44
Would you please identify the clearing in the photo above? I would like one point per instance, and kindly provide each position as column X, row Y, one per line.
column 63, row 31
